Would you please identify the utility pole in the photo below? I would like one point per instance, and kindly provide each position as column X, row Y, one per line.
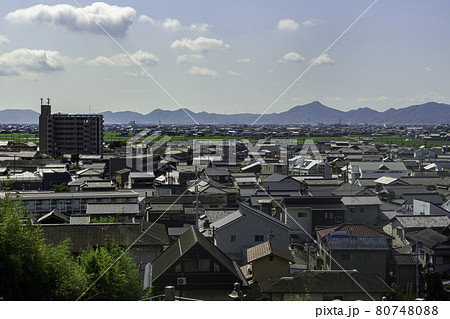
column 196, row 197
column 417, row 268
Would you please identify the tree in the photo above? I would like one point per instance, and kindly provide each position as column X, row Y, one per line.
column 74, row 158
column 121, row 280
column 431, row 283
column 103, row 219
column 60, row 188
column 29, row 268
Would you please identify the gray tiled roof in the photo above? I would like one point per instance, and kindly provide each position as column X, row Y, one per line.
column 227, row 219
column 404, row 259
column 357, row 243
column 326, row 281
column 424, row 221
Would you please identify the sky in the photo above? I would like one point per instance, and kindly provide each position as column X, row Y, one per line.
column 224, row 57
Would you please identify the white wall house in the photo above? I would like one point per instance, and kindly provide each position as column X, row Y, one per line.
column 374, row 170
column 246, row 228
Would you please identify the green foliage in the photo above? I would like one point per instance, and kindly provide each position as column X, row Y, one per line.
column 29, row 268
column 307, row 297
column 74, row 158
column 120, row 282
column 60, row 188
column 400, row 294
column 104, row 219
column 431, row 283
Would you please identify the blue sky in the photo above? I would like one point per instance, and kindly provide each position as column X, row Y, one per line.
column 223, row 56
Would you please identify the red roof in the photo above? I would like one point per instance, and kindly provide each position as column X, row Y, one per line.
column 353, row 230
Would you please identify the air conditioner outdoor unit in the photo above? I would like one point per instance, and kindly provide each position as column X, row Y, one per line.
column 181, row 281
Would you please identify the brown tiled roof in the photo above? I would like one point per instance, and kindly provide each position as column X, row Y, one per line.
column 353, row 230
column 266, row 249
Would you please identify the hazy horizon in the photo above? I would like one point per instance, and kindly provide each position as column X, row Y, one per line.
column 223, row 57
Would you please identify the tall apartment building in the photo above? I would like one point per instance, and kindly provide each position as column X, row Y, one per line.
column 69, row 133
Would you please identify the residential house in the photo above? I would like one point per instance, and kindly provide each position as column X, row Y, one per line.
column 122, row 176
column 71, row 202
column 374, row 170
column 267, row 260
column 122, row 212
column 304, row 214
column 421, row 207
column 401, row 225
column 404, row 271
column 243, row 229
column 196, row 268
column 367, row 254
column 434, row 249
column 362, row 209
column 326, row 285
column 219, row 175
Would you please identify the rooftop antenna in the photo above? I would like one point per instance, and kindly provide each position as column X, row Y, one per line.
column 48, row 101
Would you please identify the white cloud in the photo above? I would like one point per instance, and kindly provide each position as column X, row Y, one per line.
column 287, row 25
column 427, row 69
column 174, row 24
column 190, row 58
column 312, row 22
column 200, row 44
column 293, row 57
column 426, row 97
column 195, row 70
column 234, row 73
column 382, row 99
column 244, row 60
column 123, row 60
column 324, row 59
column 333, row 99
column 171, row 24
column 362, row 100
column 3, row 39
column 202, row 28
column 141, row 74
column 144, row 18
column 28, row 63
column 116, row 20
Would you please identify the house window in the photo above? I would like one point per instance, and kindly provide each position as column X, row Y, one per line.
column 259, row 238
column 216, row 267
column 352, row 209
column 338, row 219
column 301, row 215
column 399, row 233
column 271, row 257
column 233, row 238
column 178, row 267
column 361, row 209
column 328, row 215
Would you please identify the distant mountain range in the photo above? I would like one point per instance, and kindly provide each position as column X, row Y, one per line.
column 315, row 112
